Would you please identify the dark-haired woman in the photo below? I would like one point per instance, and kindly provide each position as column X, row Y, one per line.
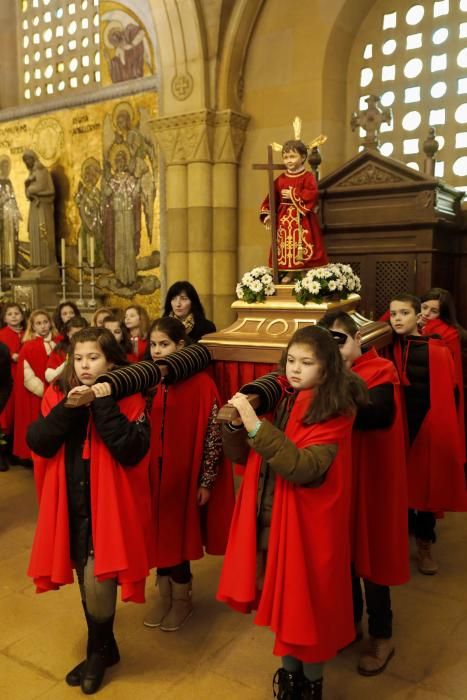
column 183, row 302
column 91, row 466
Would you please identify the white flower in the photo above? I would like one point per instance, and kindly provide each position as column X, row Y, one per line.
column 298, row 286
column 332, row 285
column 351, row 284
column 266, row 279
column 315, row 287
column 255, row 286
column 247, row 279
column 270, row 290
column 239, row 291
column 340, row 285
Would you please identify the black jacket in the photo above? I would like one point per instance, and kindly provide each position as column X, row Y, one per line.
column 127, row 441
column 6, row 381
column 201, row 327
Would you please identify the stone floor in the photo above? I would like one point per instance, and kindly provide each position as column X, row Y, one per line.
column 218, row 655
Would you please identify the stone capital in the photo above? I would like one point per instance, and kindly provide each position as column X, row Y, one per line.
column 202, row 136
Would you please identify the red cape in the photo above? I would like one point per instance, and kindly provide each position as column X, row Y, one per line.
column 12, row 340
column 379, row 507
column 435, row 464
column 451, row 337
column 27, row 404
column 183, row 529
column 306, row 598
column 122, row 527
column 138, row 356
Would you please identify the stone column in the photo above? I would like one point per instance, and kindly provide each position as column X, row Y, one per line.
column 201, row 151
column 228, row 143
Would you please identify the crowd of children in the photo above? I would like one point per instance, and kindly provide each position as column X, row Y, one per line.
column 332, row 469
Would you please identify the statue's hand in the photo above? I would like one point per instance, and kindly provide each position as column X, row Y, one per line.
column 286, row 194
column 267, row 222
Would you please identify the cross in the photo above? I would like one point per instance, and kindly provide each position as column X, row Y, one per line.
column 371, row 120
column 270, row 166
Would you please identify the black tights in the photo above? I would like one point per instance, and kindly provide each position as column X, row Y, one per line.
column 181, row 573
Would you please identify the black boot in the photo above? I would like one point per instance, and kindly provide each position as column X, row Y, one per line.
column 102, row 653
column 312, row 690
column 287, row 685
column 73, row 678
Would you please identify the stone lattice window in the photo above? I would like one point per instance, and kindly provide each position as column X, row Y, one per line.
column 414, row 55
column 59, row 47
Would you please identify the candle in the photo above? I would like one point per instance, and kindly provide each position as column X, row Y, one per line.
column 80, row 252
column 63, row 252
column 91, row 251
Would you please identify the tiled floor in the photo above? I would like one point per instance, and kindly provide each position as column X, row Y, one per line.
column 218, row 655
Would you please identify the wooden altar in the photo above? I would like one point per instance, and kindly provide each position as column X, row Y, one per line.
column 399, row 229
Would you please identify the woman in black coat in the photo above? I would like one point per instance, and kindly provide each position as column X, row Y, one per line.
column 182, row 302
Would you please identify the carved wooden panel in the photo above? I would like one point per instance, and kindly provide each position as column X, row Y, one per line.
column 391, row 277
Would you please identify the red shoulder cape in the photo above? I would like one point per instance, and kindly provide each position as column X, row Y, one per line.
column 27, row 404
column 183, row 530
column 138, row 356
column 122, row 526
column 13, row 341
column 379, row 503
column 306, row 598
column 435, row 464
column 451, row 337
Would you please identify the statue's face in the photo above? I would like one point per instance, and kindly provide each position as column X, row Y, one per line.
column 28, row 161
column 123, row 121
column 116, row 38
column 91, row 176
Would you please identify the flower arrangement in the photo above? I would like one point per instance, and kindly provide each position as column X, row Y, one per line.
column 256, row 285
column 330, row 282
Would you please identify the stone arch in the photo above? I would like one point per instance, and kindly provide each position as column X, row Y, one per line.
column 234, row 52
column 181, row 54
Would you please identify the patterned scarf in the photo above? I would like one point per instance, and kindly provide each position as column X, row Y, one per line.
column 188, row 322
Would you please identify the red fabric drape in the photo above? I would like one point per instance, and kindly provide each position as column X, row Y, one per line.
column 230, row 376
column 306, row 598
column 122, row 526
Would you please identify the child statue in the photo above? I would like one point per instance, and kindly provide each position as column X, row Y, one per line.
column 299, row 240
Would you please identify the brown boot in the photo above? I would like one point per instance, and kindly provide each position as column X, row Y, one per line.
column 426, row 564
column 162, row 605
column 376, row 656
column 182, row 607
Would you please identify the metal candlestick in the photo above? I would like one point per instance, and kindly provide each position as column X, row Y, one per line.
column 92, row 301
column 62, row 272
column 11, row 271
column 80, row 301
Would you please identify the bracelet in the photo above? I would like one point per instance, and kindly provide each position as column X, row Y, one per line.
column 252, row 433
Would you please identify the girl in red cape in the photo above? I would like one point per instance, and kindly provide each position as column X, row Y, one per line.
column 91, row 466
column 136, row 320
column 193, row 492
column 57, row 358
column 11, row 333
column 435, row 461
column 38, row 342
column 288, row 554
column 438, row 317
column 116, row 325
column 380, row 553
